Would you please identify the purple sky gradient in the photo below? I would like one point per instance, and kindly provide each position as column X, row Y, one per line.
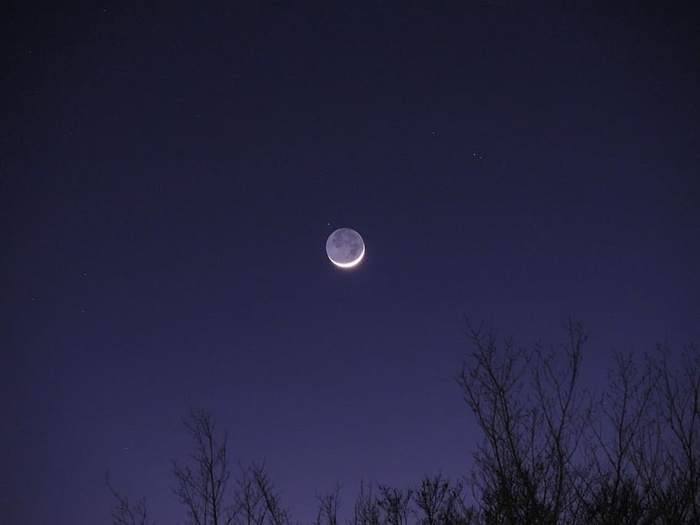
column 169, row 179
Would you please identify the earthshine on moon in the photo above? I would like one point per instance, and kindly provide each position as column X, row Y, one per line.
column 345, row 248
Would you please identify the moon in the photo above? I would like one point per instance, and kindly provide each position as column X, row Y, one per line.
column 345, row 248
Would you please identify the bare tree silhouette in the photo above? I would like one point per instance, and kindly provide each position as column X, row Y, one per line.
column 551, row 452
column 257, row 500
column 439, row 502
column 395, row 503
column 125, row 512
column 202, row 485
column 533, row 418
column 367, row 510
column 328, row 505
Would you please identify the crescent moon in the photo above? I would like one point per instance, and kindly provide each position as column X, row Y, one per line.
column 345, row 248
column 351, row 264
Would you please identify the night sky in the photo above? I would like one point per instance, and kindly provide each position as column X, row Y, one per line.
column 169, row 179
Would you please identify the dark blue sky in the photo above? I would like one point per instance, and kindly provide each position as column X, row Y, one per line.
column 169, row 178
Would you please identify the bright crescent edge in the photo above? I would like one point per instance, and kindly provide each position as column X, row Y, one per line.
column 353, row 263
